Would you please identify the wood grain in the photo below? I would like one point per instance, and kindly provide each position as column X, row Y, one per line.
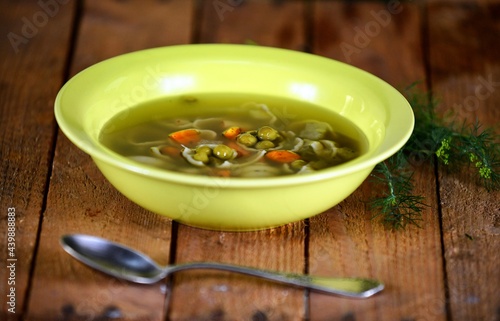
column 202, row 295
column 387, row 42
column 265, row 22
column 446, row 270
column 82, row 201
column 471, row 215
column 30, row 75
column 223, row 296
column 117, row 27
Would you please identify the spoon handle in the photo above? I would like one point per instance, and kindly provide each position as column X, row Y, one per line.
column 350, row 287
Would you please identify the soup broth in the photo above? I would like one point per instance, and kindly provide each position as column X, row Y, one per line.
column 234, row 136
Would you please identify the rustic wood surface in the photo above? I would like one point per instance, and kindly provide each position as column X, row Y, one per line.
column 446, row 270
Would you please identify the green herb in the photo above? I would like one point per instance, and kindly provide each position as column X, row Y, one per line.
column 434, row 139
column 398, row 206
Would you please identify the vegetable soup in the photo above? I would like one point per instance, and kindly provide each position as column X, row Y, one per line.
column 234, row 136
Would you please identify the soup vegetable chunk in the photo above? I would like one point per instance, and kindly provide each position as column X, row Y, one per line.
column 241, row 141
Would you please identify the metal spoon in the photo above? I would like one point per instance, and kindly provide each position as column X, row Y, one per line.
column 125, row 263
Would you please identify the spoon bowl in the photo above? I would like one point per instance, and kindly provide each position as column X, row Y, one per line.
column 113, row 258
column 125, row 263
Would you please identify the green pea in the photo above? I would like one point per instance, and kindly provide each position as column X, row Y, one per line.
column 223, row 152
column 264, row 144
column 267, row 133
column 252, row 132
column 204, row 150
column 201, row 157
column 214, row 161
column 247, row 139
column 298, row 164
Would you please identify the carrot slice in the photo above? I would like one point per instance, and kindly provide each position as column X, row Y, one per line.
column 232, row 132
column 219, row 172
column 282, row 156
column 170, row 151
column 186, row 136
column 223, row 173
column 241, row 151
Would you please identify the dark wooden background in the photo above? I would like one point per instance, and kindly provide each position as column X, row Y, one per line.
column 446, row 270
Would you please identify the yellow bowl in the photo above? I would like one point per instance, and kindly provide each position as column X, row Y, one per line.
column 95, row 95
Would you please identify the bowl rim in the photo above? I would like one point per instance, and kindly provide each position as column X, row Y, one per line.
column 98, row 152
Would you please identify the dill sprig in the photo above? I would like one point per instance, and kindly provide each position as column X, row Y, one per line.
column 434, row 139
column 477, row 148
column 398, row 206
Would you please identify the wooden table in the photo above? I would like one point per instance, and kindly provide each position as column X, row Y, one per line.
column 447, row 270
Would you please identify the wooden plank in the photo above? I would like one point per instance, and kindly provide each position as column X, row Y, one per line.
column 360, row 35
column 471, row 215
column 130, row 26
column 462, row 2
column 265, row 22
column 81, row 200
column 32, row 60
column 201, row 295
column 344, row 241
